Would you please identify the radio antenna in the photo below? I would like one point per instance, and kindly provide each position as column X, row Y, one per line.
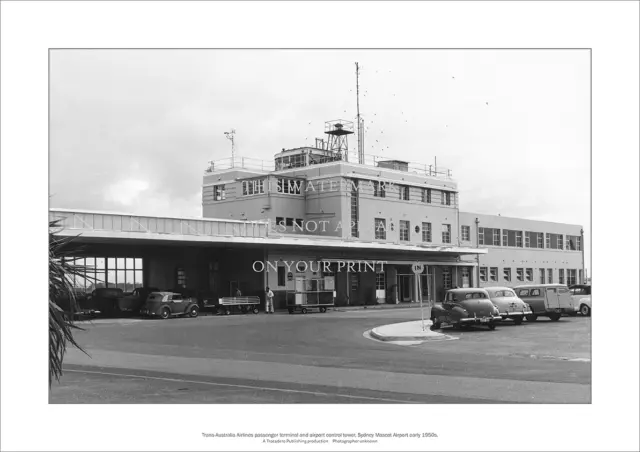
column 231, row 136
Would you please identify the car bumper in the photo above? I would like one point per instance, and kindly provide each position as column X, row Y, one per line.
column 487, row 319
column 515, row 313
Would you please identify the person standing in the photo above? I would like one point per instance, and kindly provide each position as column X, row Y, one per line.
column 269, row 301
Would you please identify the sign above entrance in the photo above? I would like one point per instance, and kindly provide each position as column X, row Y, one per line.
column 417, row 268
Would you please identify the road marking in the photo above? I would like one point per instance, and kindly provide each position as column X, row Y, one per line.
column 296, row 391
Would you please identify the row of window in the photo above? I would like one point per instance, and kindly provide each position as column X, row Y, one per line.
column 545, row 276
column 379, row 191
column 96, row 272
column 380, row 225
column 512, row 238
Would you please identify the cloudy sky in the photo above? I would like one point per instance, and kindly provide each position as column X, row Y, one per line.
column 133, row 130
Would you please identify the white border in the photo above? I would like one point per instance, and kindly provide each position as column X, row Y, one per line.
column 611, row 28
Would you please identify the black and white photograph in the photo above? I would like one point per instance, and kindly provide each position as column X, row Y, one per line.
column 324, row 232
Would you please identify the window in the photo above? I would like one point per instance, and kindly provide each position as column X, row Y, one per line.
column 466, row 233
column 289, row 186
column 548, row 241
column 298, row 224
column 219, row 193
column 561, row 276
column 489, row 236
column 404, row 230
column 445, row 200
column 290, row 161
column 355, row 208
column 466, row 277
column 252, row 187
column 289, row 222
column 381, row 281
column 280, row 221
column 446, row 233
column 99, row 272
column 542, row 276
column 554, row 241
column 520, row 274
column 580, row 279
column 426, row 195
column 355, row 280
column 507, row 274
column 379, row 189
column 529, row 274
column 404, row 192
column 493, row 273
column 282, row 275
column 446, row 278
column 483, row 274
column 523, row 293
column 381, row 229
column 571, row 277
column 550, row 276
column 511, row 238
column 574, row 243
column 426, row 232
column 181, row 278
column 533, row 239
column 535, row 292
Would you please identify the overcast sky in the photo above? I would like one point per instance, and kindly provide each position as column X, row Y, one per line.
column 133, row 130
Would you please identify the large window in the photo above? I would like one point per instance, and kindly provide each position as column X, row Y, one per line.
column 426, row 195
column 404, row 192
column 426, row 232
column 445, row 198
column 483, row 274
column 379, row 189
column 446, row 233
column 571, row 277
column 282, row 275
column 489, row 236
column 289, row 186
column 561, row 276
column 381, row 281
column 507, row 274
column 290, row 161
column 493, row 274
column 466, row 233
column 533, row 239
column 554, row 241
column 252, row 187
column 96, row 272
column 574, row 243
column 381, row 229
column 404, row 230
column 550, row 275
column 542, row 276
column 520, row 274
column 511, row 238
column 219, row 192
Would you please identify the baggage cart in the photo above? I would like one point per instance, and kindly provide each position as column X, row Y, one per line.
column 227, row 305
column 311, row 294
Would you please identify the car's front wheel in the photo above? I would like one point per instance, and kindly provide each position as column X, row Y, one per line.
column 491, row 325
column 193, row 312
column 532, row 318
column 165, row 313
column 585, row 310
column 554, row 317
column 517, row 320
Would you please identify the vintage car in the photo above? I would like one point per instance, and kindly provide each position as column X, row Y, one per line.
column 546, row 300
column 509, row 305
column 581, row 296
column 134, row 301
column 169, row 304
column 465, row 307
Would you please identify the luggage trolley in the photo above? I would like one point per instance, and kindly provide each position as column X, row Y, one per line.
column 311, row 293
column 226, row 305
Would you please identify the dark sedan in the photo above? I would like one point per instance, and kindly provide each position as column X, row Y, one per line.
column 465, row 307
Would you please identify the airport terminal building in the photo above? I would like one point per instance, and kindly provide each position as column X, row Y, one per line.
column 313, row 221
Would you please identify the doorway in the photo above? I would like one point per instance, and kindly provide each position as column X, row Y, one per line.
column 404, row 287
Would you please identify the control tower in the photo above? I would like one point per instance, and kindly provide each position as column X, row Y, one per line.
column 338, row 131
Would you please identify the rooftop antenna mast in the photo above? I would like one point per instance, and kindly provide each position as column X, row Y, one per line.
column 231, row 136
column 359, row 119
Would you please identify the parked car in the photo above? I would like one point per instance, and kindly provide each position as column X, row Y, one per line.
column 105, row 300
column 546, row 300
column 509, row 305
column 463, row 307
column 169, row 304
column 133, row 302
column 581, row 296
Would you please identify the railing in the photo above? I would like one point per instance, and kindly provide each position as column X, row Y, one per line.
column 240, row 162
column 377, row 161
column 101, row 221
